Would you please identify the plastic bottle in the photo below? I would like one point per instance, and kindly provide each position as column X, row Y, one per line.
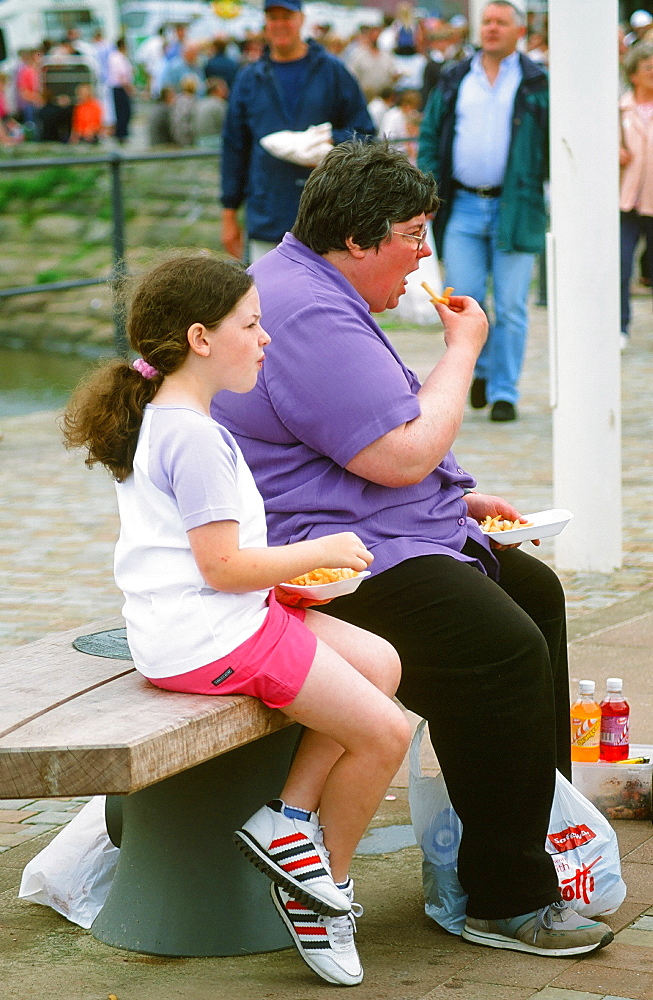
column 585, row 717
column 615, row 722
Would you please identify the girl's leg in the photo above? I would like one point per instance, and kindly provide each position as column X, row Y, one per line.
column 373, row 657
column 357, row 739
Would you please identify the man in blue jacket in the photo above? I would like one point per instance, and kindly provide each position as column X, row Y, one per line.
column 484, row 137
column 295, row 84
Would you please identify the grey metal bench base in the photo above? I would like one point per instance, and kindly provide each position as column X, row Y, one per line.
column 181, row 886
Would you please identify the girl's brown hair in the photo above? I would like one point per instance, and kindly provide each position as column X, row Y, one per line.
column 105, row 412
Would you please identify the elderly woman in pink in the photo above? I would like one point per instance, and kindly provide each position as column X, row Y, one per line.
column 636, row 162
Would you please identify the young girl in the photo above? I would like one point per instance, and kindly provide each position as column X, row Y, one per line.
column 198, row 579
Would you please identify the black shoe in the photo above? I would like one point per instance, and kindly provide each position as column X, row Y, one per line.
column 503, row 411
column 477, row 395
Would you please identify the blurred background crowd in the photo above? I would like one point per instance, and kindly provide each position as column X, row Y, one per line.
column 184, row 81
column 76, row 89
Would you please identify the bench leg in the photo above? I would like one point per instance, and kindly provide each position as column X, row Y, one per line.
column 182, row 887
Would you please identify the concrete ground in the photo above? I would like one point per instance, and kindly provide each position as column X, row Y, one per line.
column 57, row 528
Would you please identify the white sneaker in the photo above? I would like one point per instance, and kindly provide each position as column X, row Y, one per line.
column 292, row 853
column 325, row 943
column 624, row 341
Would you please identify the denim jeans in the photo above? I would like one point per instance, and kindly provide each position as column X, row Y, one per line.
column 471, row 258
column 633, row 225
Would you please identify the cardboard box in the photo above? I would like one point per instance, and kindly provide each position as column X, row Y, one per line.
column 619, row 791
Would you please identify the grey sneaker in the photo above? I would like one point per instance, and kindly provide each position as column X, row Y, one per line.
column 556, row 930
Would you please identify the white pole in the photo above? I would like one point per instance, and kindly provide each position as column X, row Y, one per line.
column 583, row 263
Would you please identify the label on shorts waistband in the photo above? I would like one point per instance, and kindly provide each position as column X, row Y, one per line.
column 223, row 676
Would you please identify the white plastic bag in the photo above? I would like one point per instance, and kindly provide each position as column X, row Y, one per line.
column 585, row 853
column 73, row 874
column 415, row 305
column 307, row 148
column 581, row 841
column 437, row 831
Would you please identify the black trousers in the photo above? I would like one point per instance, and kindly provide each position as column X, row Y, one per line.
column 486, row 664
column 123, row 108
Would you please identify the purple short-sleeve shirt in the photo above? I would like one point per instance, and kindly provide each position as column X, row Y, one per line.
column 331, row 384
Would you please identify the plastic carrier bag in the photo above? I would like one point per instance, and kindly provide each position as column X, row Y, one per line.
column 581, row 841
column 73, row 874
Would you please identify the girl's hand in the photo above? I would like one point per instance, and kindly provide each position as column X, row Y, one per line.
column 480, row 505
column 345, row 550
column 296, row 600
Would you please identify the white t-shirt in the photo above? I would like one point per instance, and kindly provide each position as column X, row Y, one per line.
column 188, row 471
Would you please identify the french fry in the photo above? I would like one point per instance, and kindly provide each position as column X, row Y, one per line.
column 498, row 523
column 322, row 575
column 444, row 298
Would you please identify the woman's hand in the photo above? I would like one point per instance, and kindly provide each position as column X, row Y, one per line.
column 463, row 321
column 480, row 505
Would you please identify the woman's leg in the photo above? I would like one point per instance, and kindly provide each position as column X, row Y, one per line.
column 478, row 668
column 629, row 235
column 356, row 737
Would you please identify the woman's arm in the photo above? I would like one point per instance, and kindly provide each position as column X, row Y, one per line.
column 410, row 452
column 227, row 567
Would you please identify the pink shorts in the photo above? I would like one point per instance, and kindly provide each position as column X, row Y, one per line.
column 271, row 665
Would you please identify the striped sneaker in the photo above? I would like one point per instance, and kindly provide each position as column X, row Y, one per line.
column 291, row 852
column 325, row 943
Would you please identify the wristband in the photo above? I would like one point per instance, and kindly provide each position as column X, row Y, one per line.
column 466, row 491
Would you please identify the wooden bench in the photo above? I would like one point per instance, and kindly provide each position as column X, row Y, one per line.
column 181, row 773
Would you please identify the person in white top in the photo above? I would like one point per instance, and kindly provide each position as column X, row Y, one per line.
column 199, row 582
column 120, row 81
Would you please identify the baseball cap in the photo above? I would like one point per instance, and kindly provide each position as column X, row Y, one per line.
column 288, row 4
column 640, row 19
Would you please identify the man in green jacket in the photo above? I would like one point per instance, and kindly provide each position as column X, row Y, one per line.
column 484, row 136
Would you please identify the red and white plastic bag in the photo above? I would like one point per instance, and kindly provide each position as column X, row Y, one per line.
column 580, row 840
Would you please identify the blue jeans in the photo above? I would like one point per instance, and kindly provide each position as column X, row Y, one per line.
column 471, row 258
column 633, row 225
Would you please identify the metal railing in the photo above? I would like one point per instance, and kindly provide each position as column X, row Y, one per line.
column 115, row 161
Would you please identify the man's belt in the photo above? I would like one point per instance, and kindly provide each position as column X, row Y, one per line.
column 482, row 192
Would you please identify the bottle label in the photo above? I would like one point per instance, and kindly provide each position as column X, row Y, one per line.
column 585, row 732
column 615, row 730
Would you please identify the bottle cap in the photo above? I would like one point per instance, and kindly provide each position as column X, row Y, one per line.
column 614, row 684
column 586, row 687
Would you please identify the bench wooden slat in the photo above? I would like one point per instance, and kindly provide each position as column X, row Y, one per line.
column 39, row 674
column 121, row 735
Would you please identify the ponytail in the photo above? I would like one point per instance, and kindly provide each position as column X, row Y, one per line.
column 105, row 413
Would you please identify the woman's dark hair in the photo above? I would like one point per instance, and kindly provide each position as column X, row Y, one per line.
column 360, row 190
column 105, row 412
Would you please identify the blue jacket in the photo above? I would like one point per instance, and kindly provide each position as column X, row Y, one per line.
column 522, row 210
column 271, row 187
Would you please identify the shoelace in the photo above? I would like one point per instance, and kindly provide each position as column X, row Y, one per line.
column 544, row 917
column 344, row 928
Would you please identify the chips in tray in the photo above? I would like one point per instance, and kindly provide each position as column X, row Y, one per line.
column 319, row 576
column 499, row 523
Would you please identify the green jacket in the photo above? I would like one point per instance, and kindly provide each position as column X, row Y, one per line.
column 522, row 212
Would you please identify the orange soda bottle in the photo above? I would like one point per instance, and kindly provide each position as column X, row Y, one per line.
column 585, row 717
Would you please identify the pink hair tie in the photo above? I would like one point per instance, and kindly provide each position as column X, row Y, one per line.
column 147, row 371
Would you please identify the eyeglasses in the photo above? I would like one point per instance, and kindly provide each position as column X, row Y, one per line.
column 420, row 237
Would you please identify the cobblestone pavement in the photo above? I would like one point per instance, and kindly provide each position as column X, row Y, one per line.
column 58, row 526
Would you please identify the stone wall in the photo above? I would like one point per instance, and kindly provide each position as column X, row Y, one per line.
column 55, row 225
